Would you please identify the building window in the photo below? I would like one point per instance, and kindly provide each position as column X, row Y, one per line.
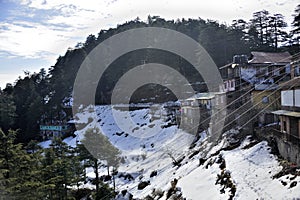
column 265, row 99
column 299, row 128
column 297, row 71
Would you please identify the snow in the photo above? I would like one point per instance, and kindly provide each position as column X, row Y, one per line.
column 201, row 183
column 251, row 170
column 248, row 74
column 45, row 144
column 147, row 146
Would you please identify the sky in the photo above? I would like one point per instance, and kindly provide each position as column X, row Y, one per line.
column 34, row 33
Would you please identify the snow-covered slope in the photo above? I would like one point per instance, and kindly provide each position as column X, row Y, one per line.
column 251, row 171
column 250, row 167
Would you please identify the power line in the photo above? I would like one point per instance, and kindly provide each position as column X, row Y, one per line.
column 242, row 96
column 240, row 107
column 241, row 114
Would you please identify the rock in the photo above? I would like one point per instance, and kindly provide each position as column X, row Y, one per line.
column 283, row 183
column 143, row 184
column 293, row 184
column 119, row 133
column 154, row 173
column 201, row 161
column 126, row 176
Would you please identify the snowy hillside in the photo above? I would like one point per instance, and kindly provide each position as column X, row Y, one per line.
column 155, row 153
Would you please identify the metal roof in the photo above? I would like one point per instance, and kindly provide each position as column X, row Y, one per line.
column 205, row 96
column 287, row 113
column 267, row 57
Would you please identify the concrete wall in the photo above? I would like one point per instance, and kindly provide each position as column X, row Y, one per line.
column 263, row 99
column 289, row 151
column 288, row 146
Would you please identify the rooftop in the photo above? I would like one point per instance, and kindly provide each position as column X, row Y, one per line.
column 205, row 96
column 287, row 113
column 267, row 57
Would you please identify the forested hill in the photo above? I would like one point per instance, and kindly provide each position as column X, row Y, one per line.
column 23, row 103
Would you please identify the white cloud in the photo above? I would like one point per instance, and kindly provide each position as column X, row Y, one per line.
column 72, row 19
column 44, row 29
column 5, row 78
column 53, row 4
column 47, row 36
column 32, row 40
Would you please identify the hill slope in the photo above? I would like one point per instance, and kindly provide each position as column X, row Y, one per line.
column 243, row 171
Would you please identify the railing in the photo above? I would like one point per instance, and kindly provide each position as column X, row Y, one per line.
column 273, row 131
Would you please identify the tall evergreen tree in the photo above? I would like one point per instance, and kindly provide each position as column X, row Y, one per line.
column 260, row 21
column 277, row 25
column 252, row 38
column 19, row 171
column 59, row 171
column 7, row 111
column 296, row 25
column 99, row 150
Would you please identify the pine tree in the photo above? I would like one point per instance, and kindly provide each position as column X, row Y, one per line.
column 7, row 111
column 78, row 168
column 277, row 25
column 252, row 38
column 95, row 148
column 296, row 25
column 19, row 171
column 59, row 170
column 260, row 21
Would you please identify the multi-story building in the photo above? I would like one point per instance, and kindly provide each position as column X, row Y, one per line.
column 286, row 130
column 251, row 85
column 202, row 110
column 49, row 131
column 289, row 114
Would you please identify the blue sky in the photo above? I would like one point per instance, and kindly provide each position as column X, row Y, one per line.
column 34, row 33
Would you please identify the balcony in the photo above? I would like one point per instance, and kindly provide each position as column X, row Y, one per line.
column 274, row 131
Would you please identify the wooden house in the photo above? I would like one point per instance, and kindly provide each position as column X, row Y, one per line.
column 295, row 65
column 56, row 125
column 289, row 114
column 255, row 80
column 288, row 120
column 49, row 131
column 260, row 68
column 266, row 68
column 197, row 110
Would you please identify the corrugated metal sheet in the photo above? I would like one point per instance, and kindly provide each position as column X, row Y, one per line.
column 266, row 57
column 287, row 113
